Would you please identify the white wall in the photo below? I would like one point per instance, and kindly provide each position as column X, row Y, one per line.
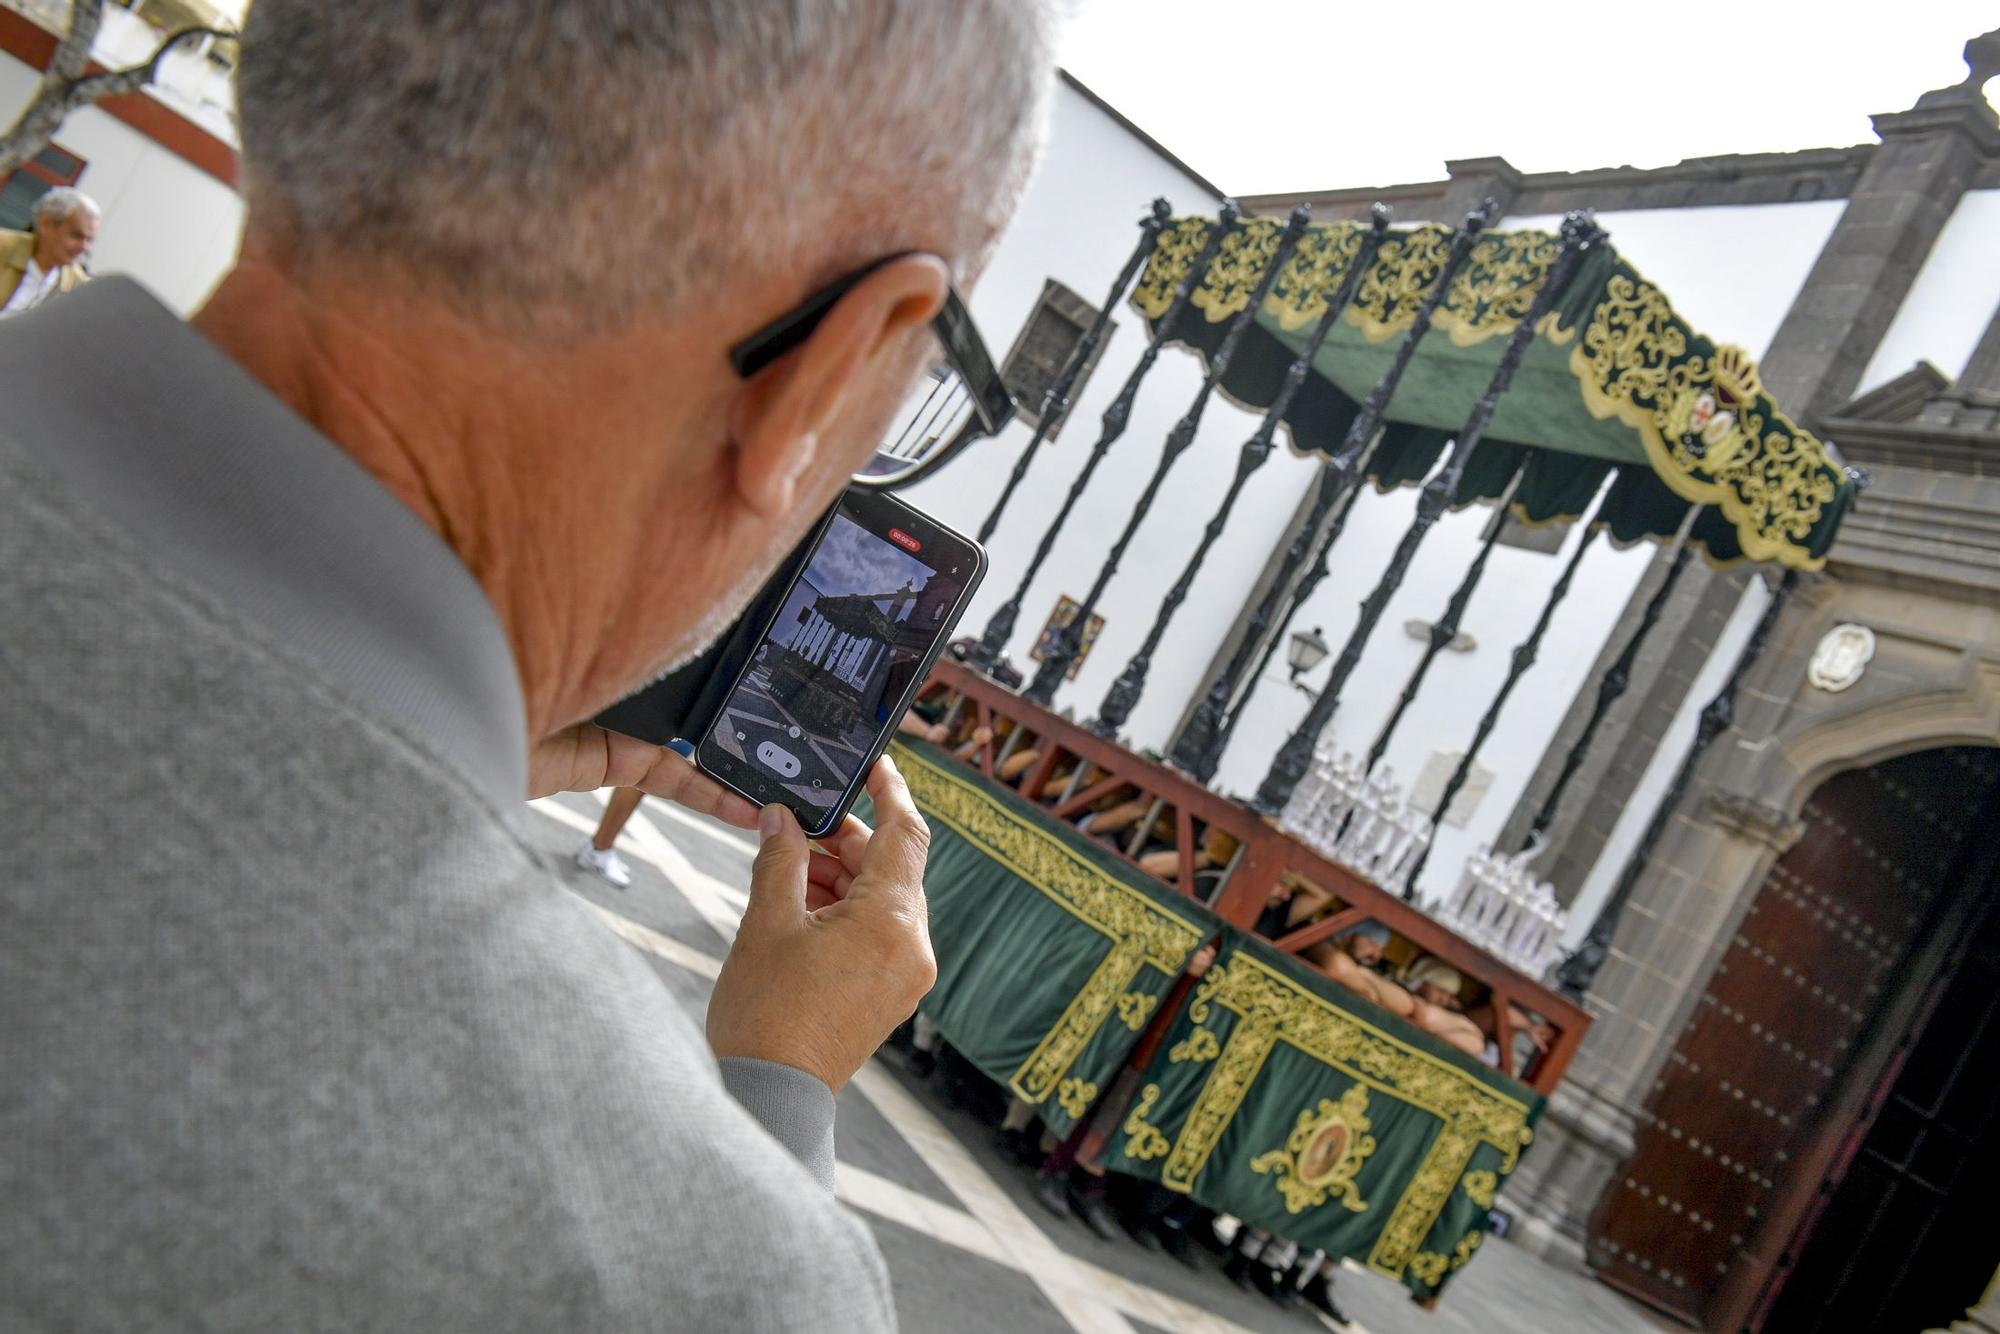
column 167, row 223
column 1078, row 225
column 1952, row 300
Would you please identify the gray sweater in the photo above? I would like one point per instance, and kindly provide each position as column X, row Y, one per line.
column 296, row 1032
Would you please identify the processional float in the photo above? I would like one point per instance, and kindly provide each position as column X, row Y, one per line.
column 1538, row 372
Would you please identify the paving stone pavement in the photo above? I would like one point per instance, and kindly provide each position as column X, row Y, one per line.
column 968, row 1247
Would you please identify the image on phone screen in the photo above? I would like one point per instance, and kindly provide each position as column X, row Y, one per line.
column 836, row 665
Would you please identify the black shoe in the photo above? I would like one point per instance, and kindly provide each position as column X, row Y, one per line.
column 1174, row 1241
column 1095, row 1215
column 1319, row 1295
column 1147, row 1239
column 1272, row 1283
column 1019, row 1147
column 922, row 1063
column 1202, row 1228
column 1238, row 1269
column 1053, row 1192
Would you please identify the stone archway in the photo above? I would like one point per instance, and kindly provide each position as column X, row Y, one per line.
column 1935, row 681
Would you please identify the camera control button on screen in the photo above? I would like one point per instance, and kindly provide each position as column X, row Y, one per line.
column 775, row 757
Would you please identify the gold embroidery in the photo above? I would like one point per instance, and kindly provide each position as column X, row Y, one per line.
column 1143, row 933
column 1467, row 1244
column 1428, row 1266
column 1172, row 256
column 1075, row 1096
column 1321, row 1156
column 1272, row 1008
column 1205, row 991
column 1313, row 273
column 1479, row 1188
column 1199, row 1045
column 1238, row 265
column 1492, row 292
column 1144, row 1142
column 1708, row 430
column 1079, row 1021
column 1133, row 1007
column 1406, row 267
column 1700, row 412
column 1497, row 285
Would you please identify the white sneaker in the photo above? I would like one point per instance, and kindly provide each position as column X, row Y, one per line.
column 607, row 864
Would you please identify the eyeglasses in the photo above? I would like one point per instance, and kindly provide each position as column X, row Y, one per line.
column 901, row 462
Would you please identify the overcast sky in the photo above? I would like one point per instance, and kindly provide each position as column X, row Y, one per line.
column 1276, row 95
column 854, row 560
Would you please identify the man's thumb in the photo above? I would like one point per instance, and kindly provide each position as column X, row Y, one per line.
column 778, row 876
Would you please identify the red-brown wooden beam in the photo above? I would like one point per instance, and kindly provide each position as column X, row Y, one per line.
column 1268, row 855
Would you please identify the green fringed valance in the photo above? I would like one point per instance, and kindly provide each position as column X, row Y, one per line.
column 1274, row 1095
column 1613, row 382
column 1279, row 1097
column 1052, row 952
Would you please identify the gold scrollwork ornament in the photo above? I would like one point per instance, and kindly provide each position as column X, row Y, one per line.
column 1075, row 1096
column 1144, row 1141
column 1429, row 1266
column 1134, row 1007
column 1323, row 1153
column 1200, row 1045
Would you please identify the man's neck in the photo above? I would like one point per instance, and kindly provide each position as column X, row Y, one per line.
column 456, row 423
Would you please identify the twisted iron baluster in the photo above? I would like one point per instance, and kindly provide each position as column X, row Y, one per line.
column 1199, row 747
column 1069, row 638
column 1579, row 970
column 1445, row 628
column 1346, row 483
column 1056, row 401
column 1001, row 626
column 1125, row 691
column 1580, row 233
column 1523, row 658
column 1617, row 678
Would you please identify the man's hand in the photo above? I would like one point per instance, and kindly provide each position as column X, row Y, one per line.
column 835, row 949
column 585, row 757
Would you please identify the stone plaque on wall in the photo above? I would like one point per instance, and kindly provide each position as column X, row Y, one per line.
column 1436, row 773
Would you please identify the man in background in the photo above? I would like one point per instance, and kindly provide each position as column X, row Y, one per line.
column 48, row 261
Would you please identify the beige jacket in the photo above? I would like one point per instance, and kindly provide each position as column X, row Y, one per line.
column 16, row 249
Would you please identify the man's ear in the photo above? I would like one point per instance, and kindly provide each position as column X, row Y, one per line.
column 780, row 419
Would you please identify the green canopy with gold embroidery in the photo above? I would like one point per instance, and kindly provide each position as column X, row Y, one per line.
column 1614, row 382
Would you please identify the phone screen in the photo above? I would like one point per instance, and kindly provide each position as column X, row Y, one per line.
column 841, row 658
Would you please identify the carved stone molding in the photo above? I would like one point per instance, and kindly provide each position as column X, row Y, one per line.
column 1755, row 819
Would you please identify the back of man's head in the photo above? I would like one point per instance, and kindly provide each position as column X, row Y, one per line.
column 583, row 163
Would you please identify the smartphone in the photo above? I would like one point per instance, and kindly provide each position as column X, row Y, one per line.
column 839, row 655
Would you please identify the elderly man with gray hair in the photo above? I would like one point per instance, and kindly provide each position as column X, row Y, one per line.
column 47, row 261
column 305, row 597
